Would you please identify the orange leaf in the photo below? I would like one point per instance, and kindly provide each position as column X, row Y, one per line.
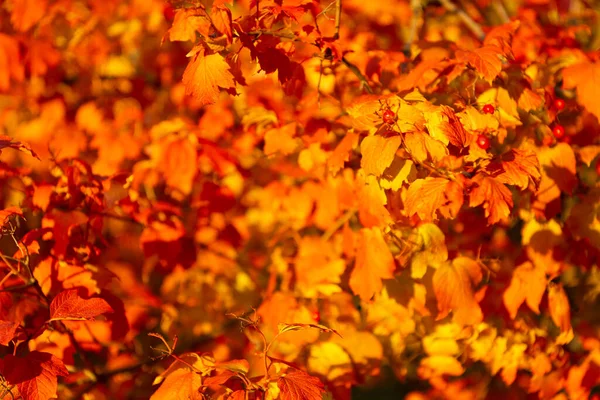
column 518, row 167
column 281, row 140
column 68, row 305
column 35, row 375
column 378, row 153
column 11, row 65
column 187, row 22
column 374, row 262
column 453, row 286
column 179, row 164
column 341, row 154
column 221, row 18
column 426, row 196
column 204, row 75
column 495, row 197
column 27, row 13
column 528, row 284
column 298, row 385
column 501, row 36
column 585, row 77
column 182, row 383
column 560, row 311
column 485, row 60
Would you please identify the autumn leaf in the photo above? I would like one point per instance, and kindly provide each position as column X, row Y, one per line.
column 9, row 212
column 528, row 284
column 342, row 152
column 486, row 61
column 453, row 284
column 378, row 153
column 560, row 311
column 444, row 125
column 424, row 147
column 181, row 383
column 298, row 385
column 205, row 74
column 7, row 331
column 431, row 250
column 35, row 375
column 68, row 305
column 585, row 78
column 493, row 195
column 519, row 168
column 374, row 262
column 426, row 196
column 187, row 22
column 7, row 142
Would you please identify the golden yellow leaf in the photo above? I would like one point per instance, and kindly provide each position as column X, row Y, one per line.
column 378, row 153
column 431, row 250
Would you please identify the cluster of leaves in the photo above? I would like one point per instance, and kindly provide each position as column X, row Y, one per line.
column 372, row 190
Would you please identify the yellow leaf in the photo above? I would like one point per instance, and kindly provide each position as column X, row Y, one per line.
column 378, row 153
column 423, row 147
column 395, row 175
column 506, row 107
column 432, row 251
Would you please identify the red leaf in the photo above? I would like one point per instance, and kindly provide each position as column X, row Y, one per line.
column 6, row 141
column 7, row 331
column 298, row 385
column 35, row 375
column 69, row 305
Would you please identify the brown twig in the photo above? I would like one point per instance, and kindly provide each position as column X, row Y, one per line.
column 358, row 74
column 473, row 26
column 501, row 11
column 338, row 18
column 416, row 16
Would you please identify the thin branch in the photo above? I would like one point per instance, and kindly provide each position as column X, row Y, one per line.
column 416, row 16
column 358, row 74
column 17, row 287
column 501, row 11
column 473, row 26
column 338, row 19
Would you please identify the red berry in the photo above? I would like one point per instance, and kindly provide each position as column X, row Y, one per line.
column 558, row 131
column 559, row 104
column 389, row 116
column 598, row 167
column 316, row 316
column 488, row 109
column 483, row 142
